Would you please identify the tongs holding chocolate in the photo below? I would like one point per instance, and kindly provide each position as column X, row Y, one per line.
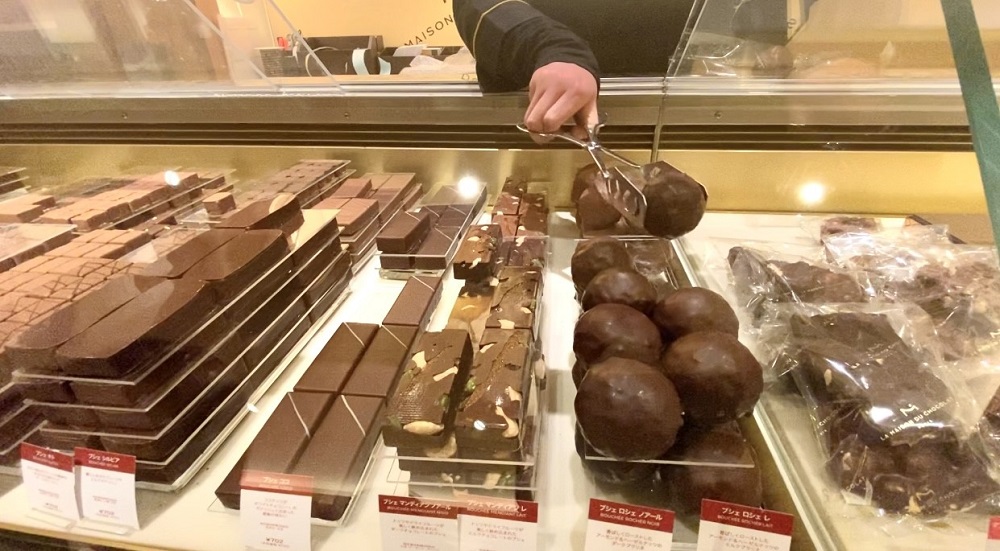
column 618, row 190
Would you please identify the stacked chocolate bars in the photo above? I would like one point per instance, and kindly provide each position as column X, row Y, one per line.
column 425, row 238
column 339, row 401
column 11, row 179
column 157, row 359
column 308, row 181
column 365, row 205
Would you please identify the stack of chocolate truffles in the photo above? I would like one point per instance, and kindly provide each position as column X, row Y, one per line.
column 365, row 205
column 426, row 238
column 155, row 357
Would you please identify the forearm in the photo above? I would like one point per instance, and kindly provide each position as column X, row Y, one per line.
column 510, row 39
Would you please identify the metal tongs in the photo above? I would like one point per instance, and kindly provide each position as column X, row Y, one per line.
column 618, row 190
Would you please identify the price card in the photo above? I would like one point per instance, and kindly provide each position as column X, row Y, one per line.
column 731, row 527
column 617, row 526
column 498, row 525
column 275, row 511
column 410, row 523
column 993, row 535
column 50, row 481
column 107, row 487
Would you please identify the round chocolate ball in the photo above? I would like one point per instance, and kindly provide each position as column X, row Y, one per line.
column 620, row 286
column 628, row 410
column 694, row 309
column 674, row 206
column 717, row 378
column 596, row 255
column 692, row 483
column 608, row 330
column 586, row 178
column 593, row 213
column 579, row 370
column 615, row 473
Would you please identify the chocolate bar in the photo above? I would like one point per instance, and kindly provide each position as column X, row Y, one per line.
column 477, row 256
column 515, row 299
column 280, row 213
column 178, row 261
column 508, row 225
column 337, row 454
column 353, row 215
column 533, row 224
column 491, row 414
column 234, row 266
column 14, row 213
column 333, row 365
column 527, row 252
column 218, row 204
column 533, row 202
column 318, row 228
column 415, row 303
column 137, row 331
column 422, row 411
column 506, row 204
column 404, row 232
column 471, row 310
column 353, row 187
column 34, row 349
column 378, row 370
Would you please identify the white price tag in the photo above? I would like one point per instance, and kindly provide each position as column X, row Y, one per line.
column 275, row 511
column 50, row 481
column 993, row 535
column 617, row 526
column 410, row 523
column 731, row 527
column 107, row 487
column 498, row 525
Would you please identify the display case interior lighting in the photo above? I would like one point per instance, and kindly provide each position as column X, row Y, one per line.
column 172, row 178
column 812, row 193
column 469, row 187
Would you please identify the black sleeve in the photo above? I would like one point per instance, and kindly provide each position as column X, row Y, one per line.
column 510, row 39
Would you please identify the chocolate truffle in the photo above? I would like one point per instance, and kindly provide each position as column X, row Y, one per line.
column 616, row 473
column 690, row 484
column 693, row 309
column 628, row 410
column 675, row 205
column 620, row 286
column 608, row 330
column 596, row 255
column 717, row 378
column 594, row 213
column 585, row 178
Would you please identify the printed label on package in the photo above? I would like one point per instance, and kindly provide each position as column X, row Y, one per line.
column 618, row 526
column 409, row 523
column 731, row 527
column 50, row 481
column 498, row 525
column 275, row 511
column 107, row 487
column 993, row 535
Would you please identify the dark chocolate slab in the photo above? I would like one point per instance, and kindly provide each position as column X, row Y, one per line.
column 318, row 228
column 138, row 331
column 508, row 225
column 404, row 232
column 533, row 224
column 528, row 252
column 422, row 411
column 378, row 370
column 493, row 409
column 176, row 262
column 337, row 454
column 506, row 204
column 234, row 266
column 286, row 433
column 415, row 303
column 330, row 370
column 533, row 202
column 471, row 310
column 433, row 252
column 283, row 212
column 516, row 298
column 477, row 256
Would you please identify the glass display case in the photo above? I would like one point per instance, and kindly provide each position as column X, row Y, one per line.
column 789, row 113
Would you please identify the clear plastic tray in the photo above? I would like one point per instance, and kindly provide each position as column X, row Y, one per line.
column 229, row 313
column 10, row 457
column 149, row 418
column 21, row 242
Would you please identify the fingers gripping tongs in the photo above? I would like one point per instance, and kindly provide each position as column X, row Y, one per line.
column 618, row 190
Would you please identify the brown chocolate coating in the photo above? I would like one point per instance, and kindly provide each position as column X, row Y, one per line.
column 596, row 255
column 620, row 286
column 693, row 309
column 593, row 213
column 608, row 330
column 675, row 205
column 717, row 378
column 628, row 410
column 583, row 180
column 692, row 483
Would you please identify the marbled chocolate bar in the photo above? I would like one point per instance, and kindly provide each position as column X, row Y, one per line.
column 515, row 299
column 477, row 256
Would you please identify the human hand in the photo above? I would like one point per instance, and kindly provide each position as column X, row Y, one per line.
column 558, row 93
